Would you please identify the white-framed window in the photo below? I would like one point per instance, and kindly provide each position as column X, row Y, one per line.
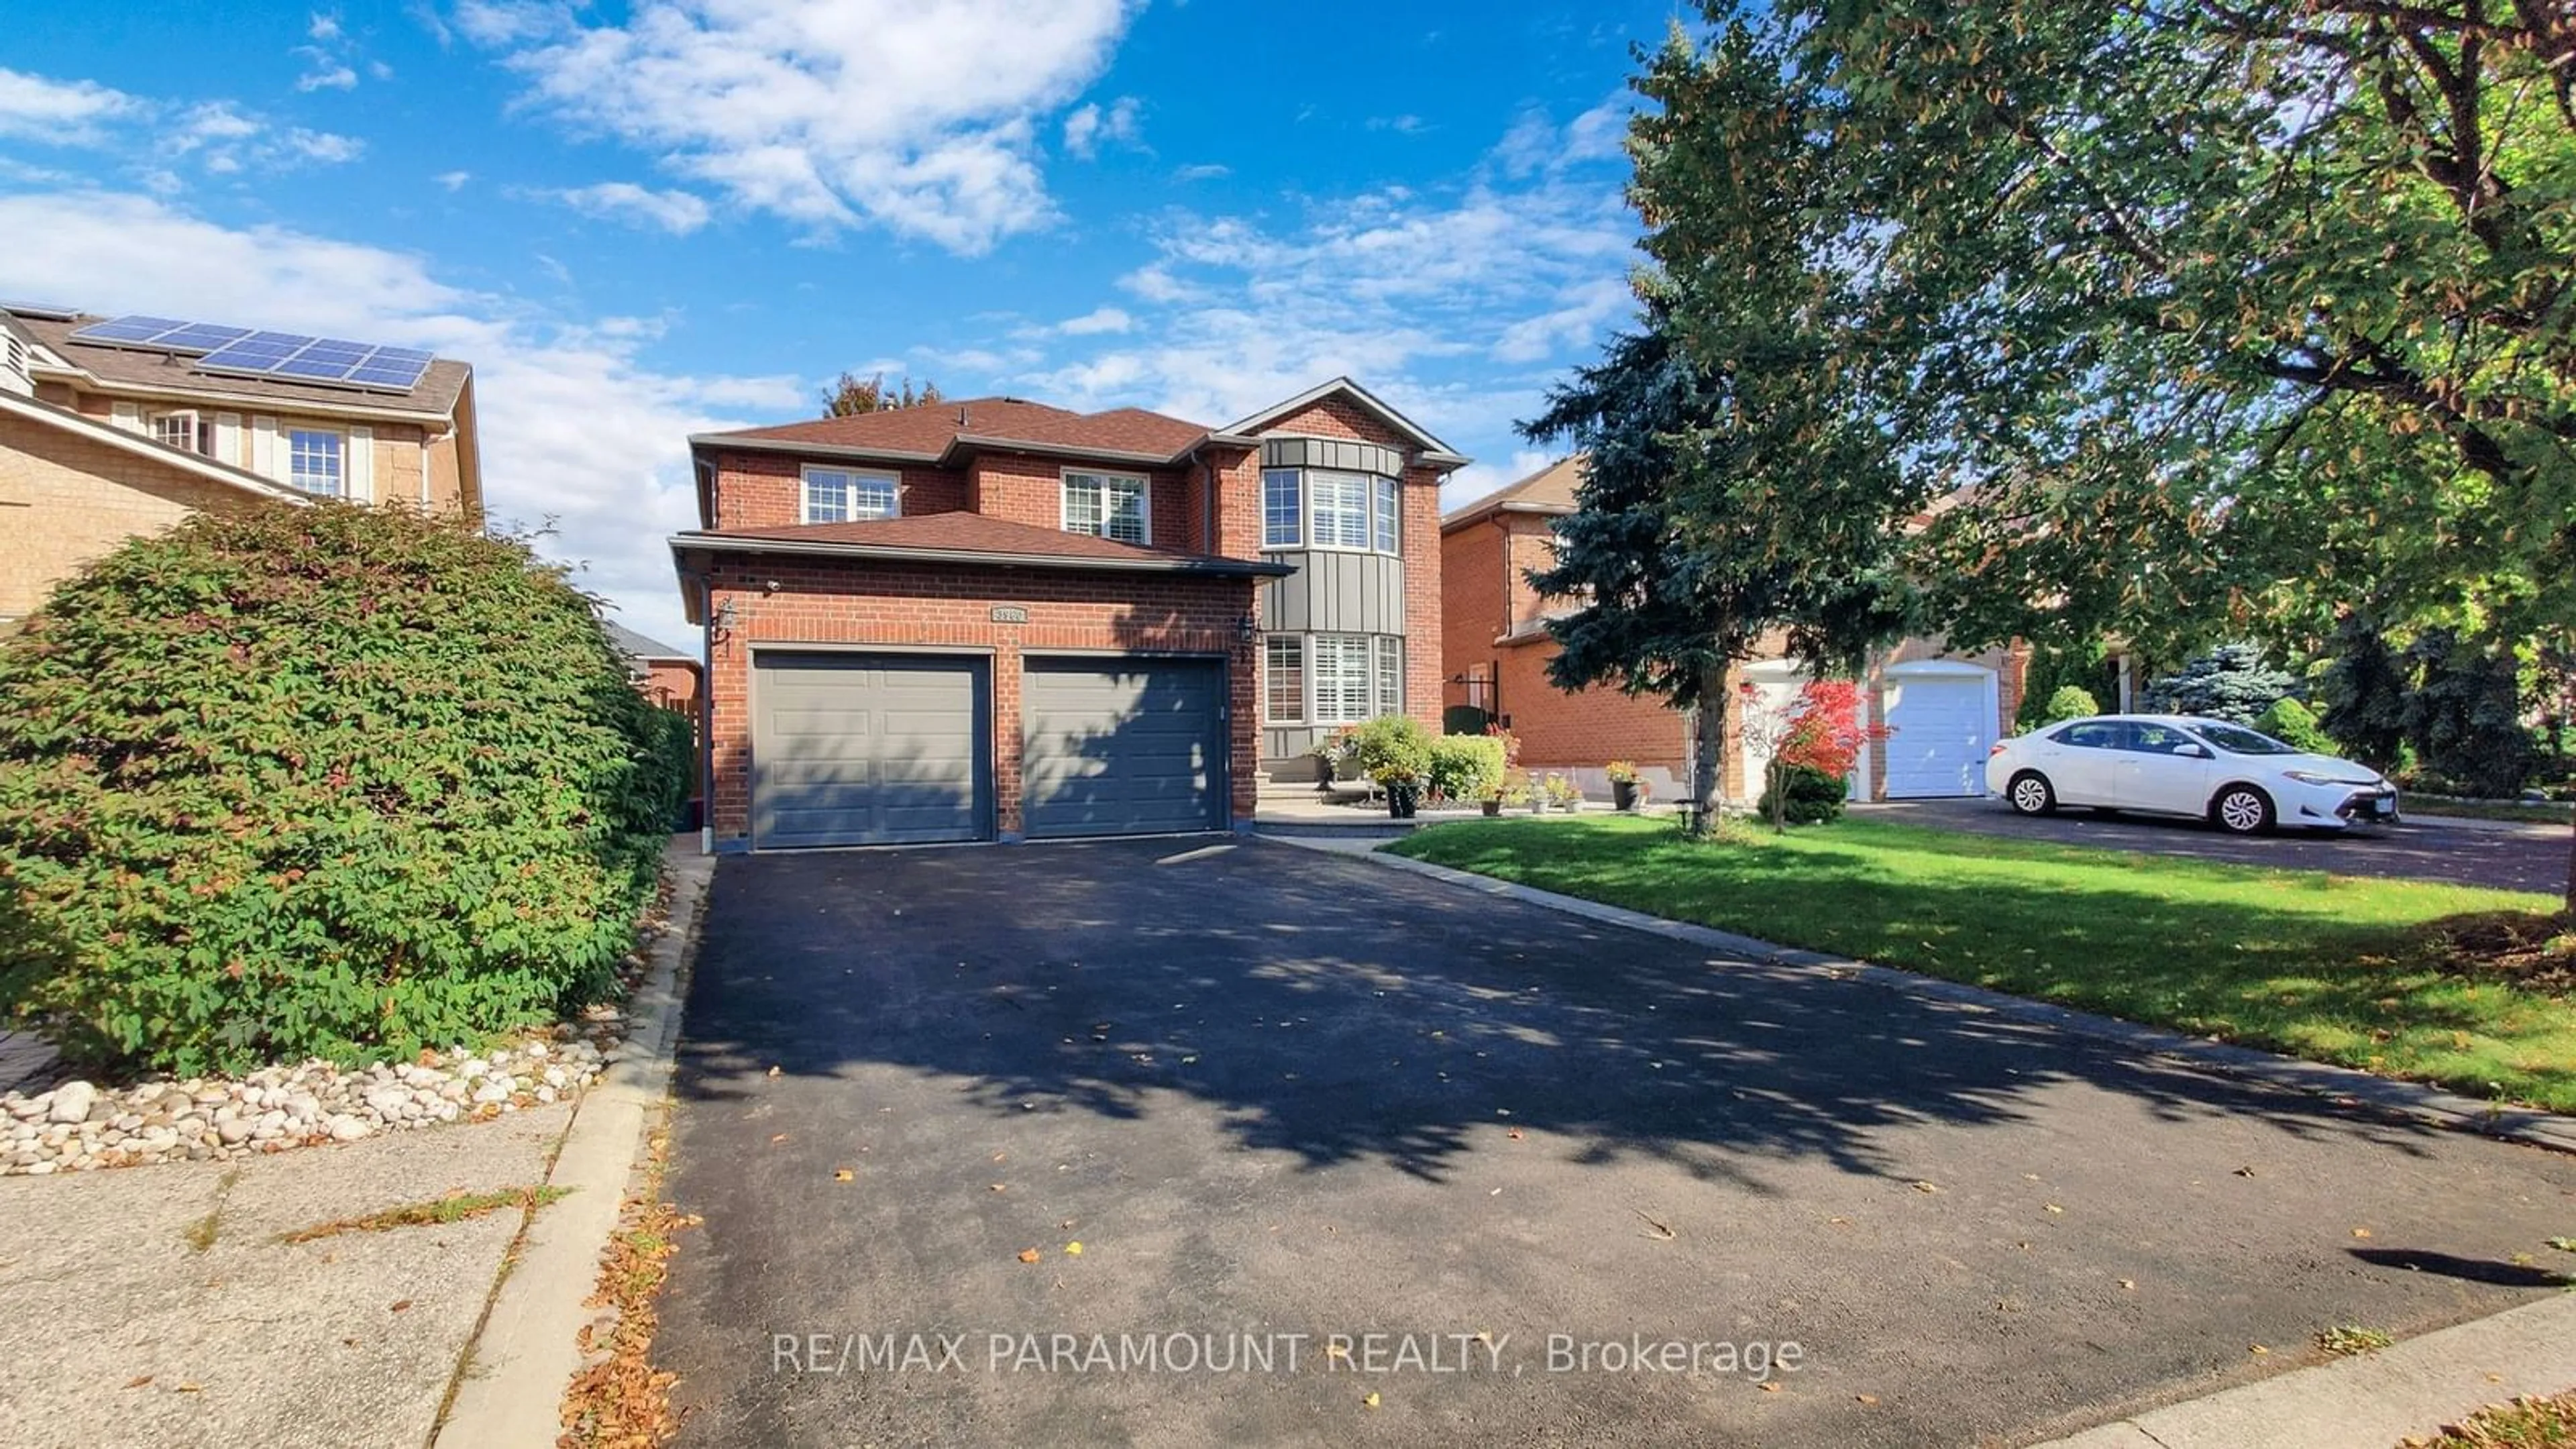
column 1283, row 516
column 317, row 461
column 1284, row 682
column 846, row 495
column 1388, row 535
column 1337, row 509
column 1390, row 674
column 1108, row 505
column 1341, row 669
column 182, row 430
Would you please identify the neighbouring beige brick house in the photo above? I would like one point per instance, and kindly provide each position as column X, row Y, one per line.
column 104, row 440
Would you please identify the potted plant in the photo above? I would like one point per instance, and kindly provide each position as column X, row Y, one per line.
column 1490, row 800
column 1515, row 790
column 1564, row 794
column 1623, row 784
column 1403, row 790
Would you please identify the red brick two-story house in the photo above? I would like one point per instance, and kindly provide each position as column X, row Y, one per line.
column 1941, row 710
column 999, row 619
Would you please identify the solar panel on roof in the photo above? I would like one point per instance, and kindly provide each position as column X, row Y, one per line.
column 200, row 337
column 294, row 357
column 126, row 329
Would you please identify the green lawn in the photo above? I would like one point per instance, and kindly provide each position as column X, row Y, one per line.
column 2327, row 967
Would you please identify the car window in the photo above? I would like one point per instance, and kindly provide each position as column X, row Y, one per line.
column 2238, row 740
column 2156, row 739
column 2091, row 734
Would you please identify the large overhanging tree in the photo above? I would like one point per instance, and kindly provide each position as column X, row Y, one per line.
column 2237, row 315
column 1737, row 493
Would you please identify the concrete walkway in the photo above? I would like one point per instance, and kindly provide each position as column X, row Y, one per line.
column 119, row 1328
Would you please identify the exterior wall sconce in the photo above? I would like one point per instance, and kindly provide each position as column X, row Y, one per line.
column 1247, row 628
column 721, row 623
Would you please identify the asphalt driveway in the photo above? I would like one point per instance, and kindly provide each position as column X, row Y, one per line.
column 2518, row 858
column 1280, row 1097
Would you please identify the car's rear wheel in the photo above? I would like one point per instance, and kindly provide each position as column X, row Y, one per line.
column 2030, row 793
column 2241, row 810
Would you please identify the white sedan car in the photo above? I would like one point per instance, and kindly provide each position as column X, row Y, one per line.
column 2238, row 779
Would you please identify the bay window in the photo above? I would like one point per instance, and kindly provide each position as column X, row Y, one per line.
column 1338, row 509
column 1283, row 521
column 1285, row 683
column 1332, row 679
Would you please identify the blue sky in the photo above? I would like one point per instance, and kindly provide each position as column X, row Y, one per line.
column 641, row 220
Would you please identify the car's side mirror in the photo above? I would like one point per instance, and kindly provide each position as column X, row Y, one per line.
column 2195, row 751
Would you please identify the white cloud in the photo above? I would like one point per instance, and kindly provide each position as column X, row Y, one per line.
column 323, row 27
column 325, row 146
column 453, row 180
column 576, row 426
column 1478, row 479
column 676, row 212
column 829, row 113
column 1459, row 308
column 1090, row 126
column 63, row 112
column 1097, row 320
column 1203, row 171
column 327, row 75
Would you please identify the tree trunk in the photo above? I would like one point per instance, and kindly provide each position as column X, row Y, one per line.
column 2571, row 867
column 1708, row 781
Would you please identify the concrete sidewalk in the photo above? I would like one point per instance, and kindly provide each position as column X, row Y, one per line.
column 119, row 1329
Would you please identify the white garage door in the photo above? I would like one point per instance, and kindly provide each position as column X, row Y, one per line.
column 1940, row 726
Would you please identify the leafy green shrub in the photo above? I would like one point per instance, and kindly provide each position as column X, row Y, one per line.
column 2067, row 702
column 1464, row 767
column 1391, row 745
column 321, row 780
column 2293, row 724
column 1813, row 797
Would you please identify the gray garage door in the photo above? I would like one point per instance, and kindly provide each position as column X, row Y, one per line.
column 868, row 749
column 1123, row 747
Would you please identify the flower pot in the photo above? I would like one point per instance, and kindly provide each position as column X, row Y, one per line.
column 1403, row 800
column 1492, row 808
column 1623, row 794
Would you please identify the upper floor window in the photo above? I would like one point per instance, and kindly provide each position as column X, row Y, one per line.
column 1351, row 511
column 182, row 430
column 1283, row 516
column 843, row 495
column 317, row 461
column 1108, row 505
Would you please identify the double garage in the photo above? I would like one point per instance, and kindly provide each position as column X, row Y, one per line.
column 859, row 747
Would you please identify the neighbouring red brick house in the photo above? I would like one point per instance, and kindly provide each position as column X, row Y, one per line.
column 998, row 619
column 1941, row 710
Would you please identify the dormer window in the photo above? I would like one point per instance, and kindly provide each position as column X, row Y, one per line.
column 1108, row 505
column 847, row 495
column 182, row 430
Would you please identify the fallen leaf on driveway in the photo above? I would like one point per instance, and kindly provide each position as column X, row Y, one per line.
column 1370, row 1401
column 2244, row 1172
column 1926, row 1187
column 2052, row 1207
column 400, row 1304
column 1030, row 1255
column 778, row 1138
column 138, row 1381
column 997, row 1187
column 1660, row 1231
column 2258, row 1348
column 2361, row 1232
column 1770, row 1388
column 1514, row 1134
column 842, row 1174
column 773, row 1071
column 2129, row 1283
column 1866, row 1398
column 189, row 1388
column 1073, row 1250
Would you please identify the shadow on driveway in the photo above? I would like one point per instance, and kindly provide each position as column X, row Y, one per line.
column 1279, row 1091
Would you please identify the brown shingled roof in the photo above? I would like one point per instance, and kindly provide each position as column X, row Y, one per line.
column 960, row 533
column 931, row 429
column 1549, row 490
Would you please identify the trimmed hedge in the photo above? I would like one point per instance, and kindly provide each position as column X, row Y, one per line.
column 1813, row 797
column 321, row 780
column 2067, row 702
